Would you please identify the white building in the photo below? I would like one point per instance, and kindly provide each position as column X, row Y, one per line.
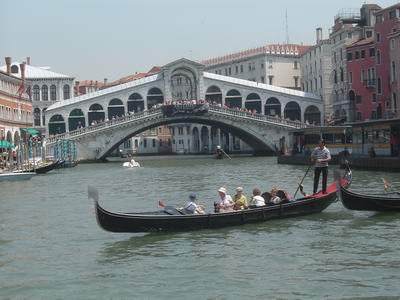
column 44, row 88
column 316, row 71
column 277, row 65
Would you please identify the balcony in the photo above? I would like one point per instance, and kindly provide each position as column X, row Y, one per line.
column 370, row 83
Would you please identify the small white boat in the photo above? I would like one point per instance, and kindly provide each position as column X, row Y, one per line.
column 131, row 164
column 16, row 176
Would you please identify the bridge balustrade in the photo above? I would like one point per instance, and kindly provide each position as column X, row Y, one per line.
column 156, row 111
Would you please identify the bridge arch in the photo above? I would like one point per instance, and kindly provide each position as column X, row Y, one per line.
column 154, row 96
column 233, row 99
column 76, row 119
column 56, row 125
column 312, row 115
column 272, row 107
column 135, row 103
column 214, row 95
column 243, row 131
column 96, row 113
column 253, row 101
column 116, row 108
column 292, row 111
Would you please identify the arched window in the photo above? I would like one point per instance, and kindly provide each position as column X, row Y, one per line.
column 253, row 102
column 135, row 103
column 36, row 92
column 56, row 125
column 76, row 119
column 272, row 107
column 45, row 93
column 67, row 91
column 233, row 99
column 154, row 97
column 14, row 69
column 96, row 114
column 53, row 92
column 44, row 116
column 214, row 95
column 312, row 115
column 292, row 111
column 116, row 108
column 36, row 116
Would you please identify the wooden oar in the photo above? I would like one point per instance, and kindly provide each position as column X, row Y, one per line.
column 225, row 153
column 308, row 169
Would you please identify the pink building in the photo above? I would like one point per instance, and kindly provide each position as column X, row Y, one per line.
column 387, row 23
column 395, row 72
column 362, row 79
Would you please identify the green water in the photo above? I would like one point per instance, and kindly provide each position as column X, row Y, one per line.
column 52, row 248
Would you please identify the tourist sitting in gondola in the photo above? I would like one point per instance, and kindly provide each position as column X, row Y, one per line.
column 239, row 199
column 192, row 208
column 225, row 202
column 275, row 199
column 257, row 200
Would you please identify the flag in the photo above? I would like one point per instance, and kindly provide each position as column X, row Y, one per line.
column 161, row 204
column 386, row 184
column 21, row 89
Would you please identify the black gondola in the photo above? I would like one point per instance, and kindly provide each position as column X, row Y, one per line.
column 355, row 201
column 44, row 169
column 171, row 219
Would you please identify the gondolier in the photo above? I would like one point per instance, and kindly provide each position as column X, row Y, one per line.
column 321, row 157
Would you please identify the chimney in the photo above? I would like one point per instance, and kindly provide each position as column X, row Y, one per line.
column 8, row 63
column 319, row 34
column 105, row 81
column 28, row 60
column 22, row 69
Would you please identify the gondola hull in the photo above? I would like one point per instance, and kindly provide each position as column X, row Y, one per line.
column 355, row 201
column 163, row 221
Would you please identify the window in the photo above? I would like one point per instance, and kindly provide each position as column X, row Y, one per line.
column 270, row 79
column 296, row 81
column 237, row 69
column 378, row 57
column 378, row 37
column 392, row 44
column 362, row 53
column 45, row 92
column 187, row 130
column 36, row 93
column 373, row 97
column 180, row 130
column 393, row 73
column 229, row 71
column 363, row 77
column 226, row 71
column 53, row 92
column 334, row 57
column 357, row 55
column 145, row 143
column 349, row 56
column 334, row 76
column 392, row 14
column 379, row 86
column 262, row 79
column 350, row 77
column 296, row 65
column 154, row 143
column 379, row 19
column 341, row 75
column 359, row 116
column 262, row 66
column 341, row 54
column 349, row 35
column 249, row 67
column 241, row 68
column 368, row 33
column 371, row 52
column 66, row 91
column 358, row 99
column 374, row 115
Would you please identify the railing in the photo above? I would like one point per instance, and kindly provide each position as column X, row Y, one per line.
column 158, row 111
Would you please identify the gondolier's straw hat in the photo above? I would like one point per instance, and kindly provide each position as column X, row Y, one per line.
column 222, row 190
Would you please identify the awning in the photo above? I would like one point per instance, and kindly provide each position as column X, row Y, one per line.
column 6, row 144
column 31, row 131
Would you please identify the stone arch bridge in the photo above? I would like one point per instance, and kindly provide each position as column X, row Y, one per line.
column 261, row 132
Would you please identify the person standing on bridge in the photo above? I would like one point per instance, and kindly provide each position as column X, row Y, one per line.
column 320, row 156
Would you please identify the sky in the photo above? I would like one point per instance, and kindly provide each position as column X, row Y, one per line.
column 97, row 39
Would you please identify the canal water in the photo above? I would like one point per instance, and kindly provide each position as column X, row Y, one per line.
column 52, row 248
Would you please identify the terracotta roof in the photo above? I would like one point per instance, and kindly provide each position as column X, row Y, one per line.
column 362, row 42
column 274, row 49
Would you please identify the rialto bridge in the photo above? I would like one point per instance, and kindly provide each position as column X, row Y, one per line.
column 102, row 120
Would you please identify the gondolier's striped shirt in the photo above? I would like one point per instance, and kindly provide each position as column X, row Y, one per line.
column 319, row 153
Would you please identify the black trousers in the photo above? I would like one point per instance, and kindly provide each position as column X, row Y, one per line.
column 317, row 172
